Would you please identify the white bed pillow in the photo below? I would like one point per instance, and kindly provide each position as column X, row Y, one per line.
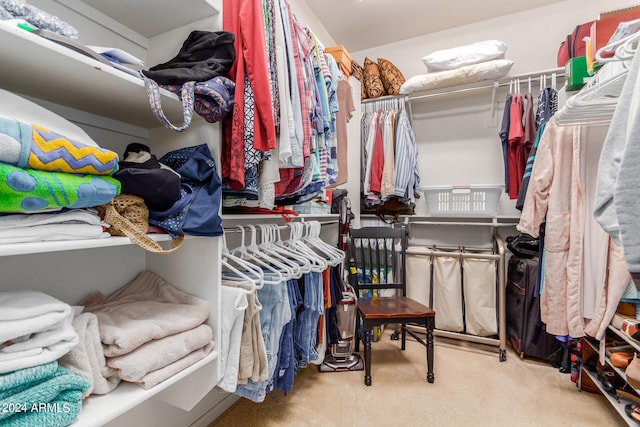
column 16, row 107
column 449, row 59
column 489, row 70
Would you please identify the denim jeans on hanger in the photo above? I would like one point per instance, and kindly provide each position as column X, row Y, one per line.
column 275, row 314
column 307, row 325
column 287, row 363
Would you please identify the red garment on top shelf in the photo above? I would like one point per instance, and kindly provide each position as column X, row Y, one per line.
column 516, row 148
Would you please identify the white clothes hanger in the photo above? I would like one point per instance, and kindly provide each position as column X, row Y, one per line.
column 267, row 245
column 318, row 263
column 245, row 255
column 291, row 252
column 285, row 269
column 244, row 279
column 595, row 103
column 237, row 264
column 335, row 255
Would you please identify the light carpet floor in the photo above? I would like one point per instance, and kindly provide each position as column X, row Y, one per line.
column 471, row 388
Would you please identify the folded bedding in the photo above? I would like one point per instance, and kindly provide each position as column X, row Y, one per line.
column 87, row 358
column 148, row 308
column 28, row 145
column 30, row 190
column 43, row 395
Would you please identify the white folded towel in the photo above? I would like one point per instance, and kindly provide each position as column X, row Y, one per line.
column 73, row 224
column 148, row 308
column 87, row 358
column 157, row 354
column 26, row 312
column 38, row 348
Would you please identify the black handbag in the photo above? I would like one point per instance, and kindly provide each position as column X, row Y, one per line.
column 159, row 187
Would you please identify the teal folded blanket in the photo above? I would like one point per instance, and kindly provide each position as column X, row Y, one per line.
column 28, row 190
column 44, row 395
column 31, row 146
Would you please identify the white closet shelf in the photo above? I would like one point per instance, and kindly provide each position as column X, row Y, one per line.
column 68, row 245
column 99, row 410
column 58, row 74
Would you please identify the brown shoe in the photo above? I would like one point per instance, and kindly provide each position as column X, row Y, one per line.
column 621, row 359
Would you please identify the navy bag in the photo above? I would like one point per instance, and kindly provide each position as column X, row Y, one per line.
column 197, row 211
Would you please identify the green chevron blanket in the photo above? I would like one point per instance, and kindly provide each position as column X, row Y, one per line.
column 44, row 395
column 31, row 146
column 28, row 190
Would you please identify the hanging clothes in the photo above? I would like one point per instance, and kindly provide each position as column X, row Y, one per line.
column 504, row 139
column 547, row 107
column 516, row 135
column 557, row 192
column 245, row 19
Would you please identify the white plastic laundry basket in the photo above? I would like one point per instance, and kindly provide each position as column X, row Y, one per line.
column 468, row 200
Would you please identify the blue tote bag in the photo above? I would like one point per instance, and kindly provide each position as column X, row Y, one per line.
column 196, row 213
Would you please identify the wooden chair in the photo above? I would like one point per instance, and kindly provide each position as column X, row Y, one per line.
column 376, row 262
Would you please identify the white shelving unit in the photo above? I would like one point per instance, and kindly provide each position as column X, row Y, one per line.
column 115, row 103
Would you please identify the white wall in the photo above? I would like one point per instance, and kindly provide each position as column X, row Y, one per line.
column 532, row 36
column 457, row 136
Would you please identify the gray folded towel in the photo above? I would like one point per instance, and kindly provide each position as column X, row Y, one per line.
column 148, row 308
column 87, row 358
column 157, row 354
column 156, row 377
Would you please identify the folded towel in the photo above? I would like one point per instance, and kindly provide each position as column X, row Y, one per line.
column 29, row 190
column 157, row 354
column 44, row 395
column 148, row 308
column 63, row 225
column 156, row 377
column 26, row 312
column 52, row 232
column 87, row 358
column 38, row 348
column 31, row 146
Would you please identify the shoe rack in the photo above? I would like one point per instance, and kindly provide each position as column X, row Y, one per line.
column 609, row 380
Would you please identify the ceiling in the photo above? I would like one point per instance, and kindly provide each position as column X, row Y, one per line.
column 363, row 24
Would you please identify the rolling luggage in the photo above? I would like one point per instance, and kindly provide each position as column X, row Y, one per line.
column 525, row 330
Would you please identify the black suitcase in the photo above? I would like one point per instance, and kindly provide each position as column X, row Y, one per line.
column 525, row 330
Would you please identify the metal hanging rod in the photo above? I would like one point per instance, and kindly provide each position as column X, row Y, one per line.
column 431, row 252
column 507, row 81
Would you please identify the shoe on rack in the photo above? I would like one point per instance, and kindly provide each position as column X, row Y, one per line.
column 631, row 329
column 621, row 359
column 633, row 411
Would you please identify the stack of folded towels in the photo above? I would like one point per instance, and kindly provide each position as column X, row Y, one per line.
column 149, row 331
column 35, row 330
column 43, row 170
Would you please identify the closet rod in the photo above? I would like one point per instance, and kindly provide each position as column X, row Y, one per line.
column 385, row 98
column 281, row 227
column 455, row 254
column 495, row 84
column 484, row 224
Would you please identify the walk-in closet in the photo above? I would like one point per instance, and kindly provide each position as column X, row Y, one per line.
column 319, row 212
